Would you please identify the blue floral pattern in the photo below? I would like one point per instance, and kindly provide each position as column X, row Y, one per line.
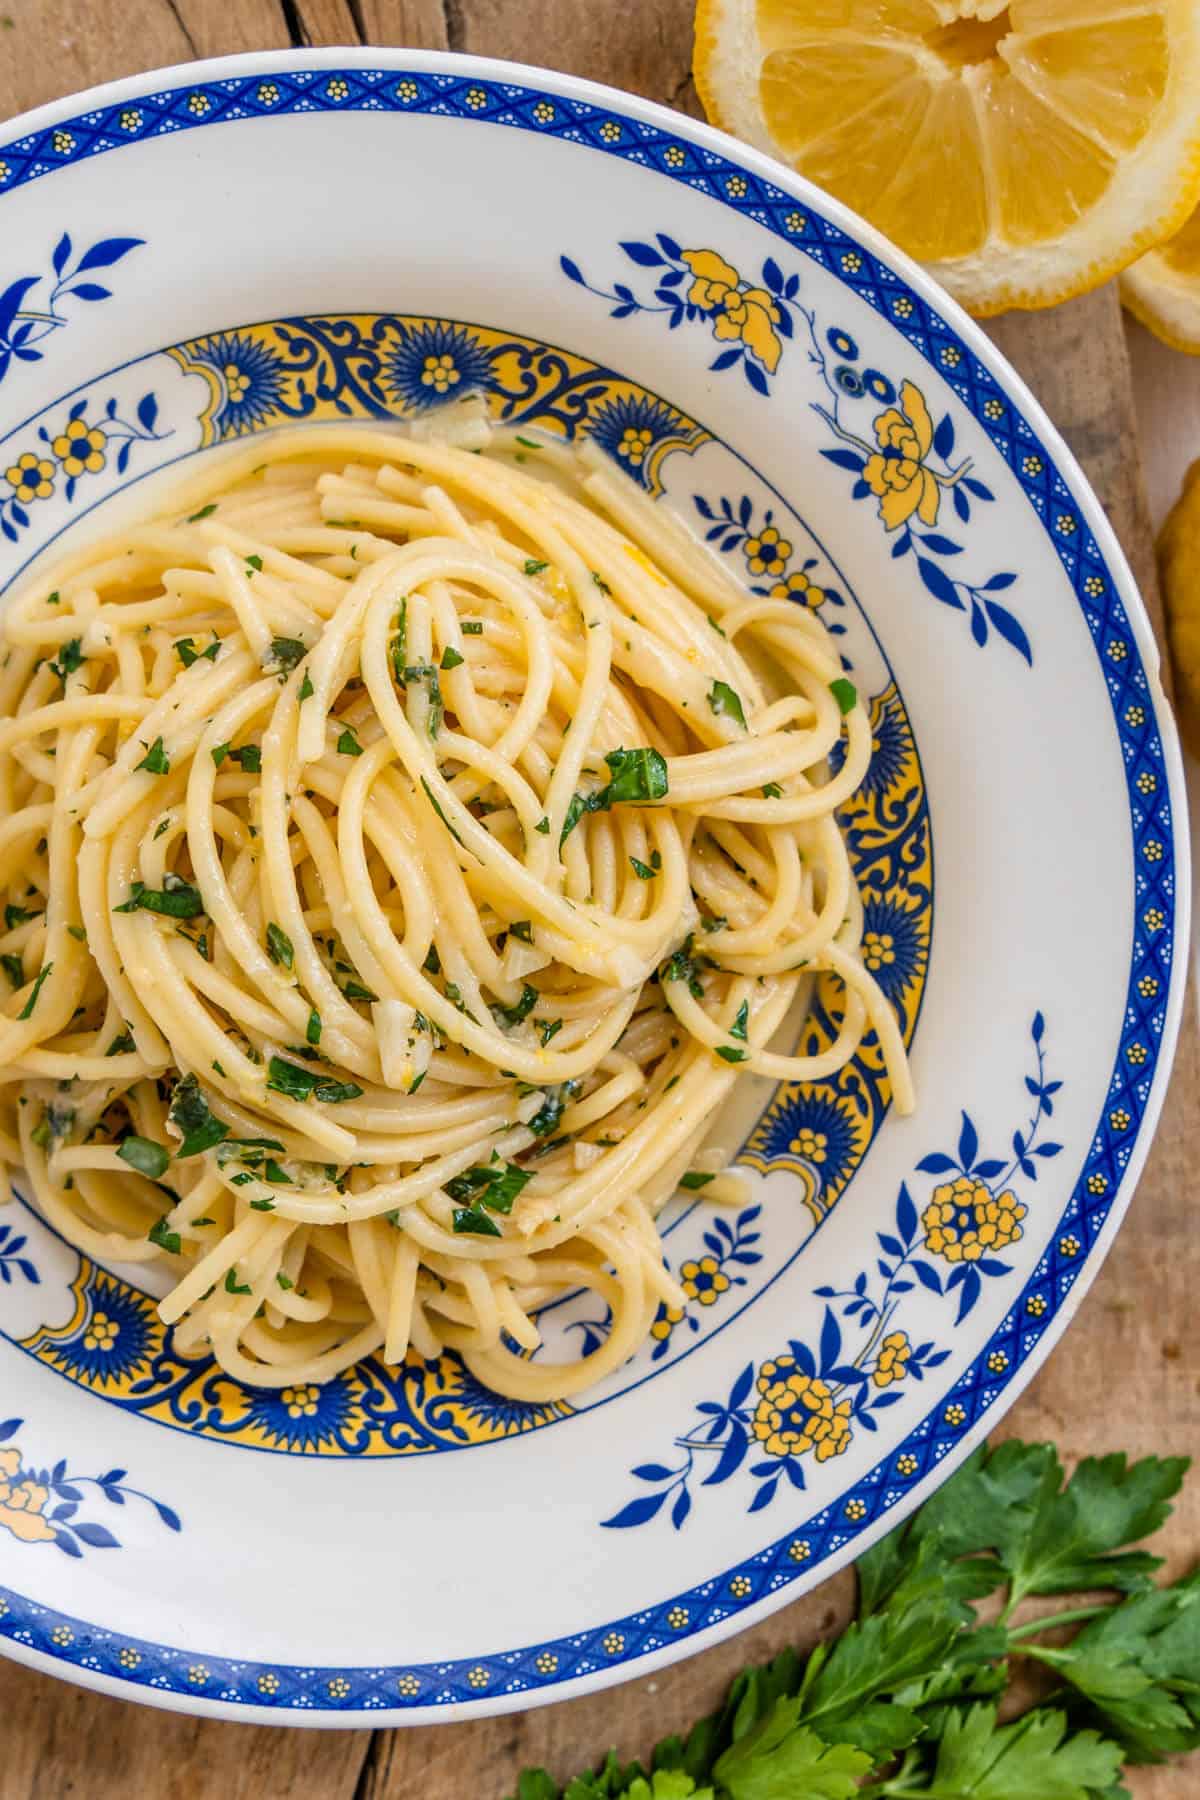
column 41, row 1505
column 12, row 1263
column 28, row 318
column 78, row 447
column 809, row 1401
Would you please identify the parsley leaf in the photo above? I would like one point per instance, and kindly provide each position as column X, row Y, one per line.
column 190, row 1113
column 845, row 693
column 284, row 653
column 148, row 1158
column 724, row 702
column 26, row 1011
column 187, row 652
column 279, row 946
column 177, row 900
column 451, row 658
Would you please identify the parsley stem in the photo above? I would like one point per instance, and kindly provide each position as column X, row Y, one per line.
column 1051, row 1622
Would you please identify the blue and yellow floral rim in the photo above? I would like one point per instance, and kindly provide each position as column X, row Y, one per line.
column 836, row 1529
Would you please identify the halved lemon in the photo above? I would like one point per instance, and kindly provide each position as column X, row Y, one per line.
column 1023, row 152
column 1162, row 288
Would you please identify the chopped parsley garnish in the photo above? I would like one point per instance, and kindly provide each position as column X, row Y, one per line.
column 348, row 744
column 233, row 1285
column 122, row 1044
column 545, row 1121
column 728, row 1054
column 263, row 1205
column 16, row 915
column 298, row 1084
column 250, row 757
column 306, row 687
column 738, row 1028
column 254, row 565
column 428, row 675
column 601, row 583
column 547, row 1029
column 694, row 1179
column 187, row 652
column 543, row 825
column 399, row 644
column 285, row 1281
column 78, row 933
column 494, row 1185
column 772, row 791
column 637, row 775
column 26, row 1011
column 354, row 990
column 472, row 627
column 156, row 760
column 190, row 1113
column 513, row 1015
column 534, row 567
column 70, row 658
column 279, row 946
column 470, row 1219
column 529, row 443
column 646, row 871
column 433, row 962
column 175, row 900
column 724, row 701
column 433, row 801
column 522, row 929
column 681, row 965
column 845, row 693
column 148, row 1158
column 14, row 968
column 284, row 653
column 204, row 513
column 717, row 628
column 312, row 1030
column 165, row 1239
column 452, row 658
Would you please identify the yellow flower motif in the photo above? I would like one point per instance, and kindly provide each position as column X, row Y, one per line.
column 268, row 1683
column 543, row 112
column 634, row 444
column 268, row 93
column 198, row 105
column 80, row 447
column 129, row 1658
column 338, row 1688
column 22, row 1503
column 677, row 1618
column 3, row 1608
column 477, row 1677
column 407, row 90
column 1154, row 918
column 1036, row 1305
column 1153, row 851
column 1119, row 1119
column 662, row 1328
column 610, row 131
column 1148, row 986
column 1097, row 1184
column 31, row 477
column 879, row 949
column 704, row 1280
column 1146, row 782
column 896, row 473
column 1118, row 651
column 809, row 1143
column 476, row 98
column 1093, row 587
column 197, row 1674
column 62, row 1635
column 890, row 1365
column 797, row 1413
column 1033, row 465
column 746, row 316
column 951, row 356
column 736, row 187
column 1068, row 1246
column 1136, row 1054
column 130, row 120
column 856, row 1509
column 852, row 262
column 1135, row 715
column 993, row 409
column 799, row 1549
column 954, row 1415
column 964, row 1220
column 408, row 1686
column 236, row 383
column 5, row 171
column 63, row 143
column 439, row 373
column 903, row 307
column 301, row 1402
column 546, row 1663
column 997, row 1362
column 797, row 586
column 767, row 553
column 740, row 1586
column 1065, row 524
column 613, row 1644
column 101, row 1333
column 337, row 89
column 674, row 157
column 795, row 221
column 906, row 1464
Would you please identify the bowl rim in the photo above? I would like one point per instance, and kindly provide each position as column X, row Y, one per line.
column 393, row 59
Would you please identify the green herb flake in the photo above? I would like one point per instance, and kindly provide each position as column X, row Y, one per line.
column 250, row 757
column 122, row 1044
column 548, row 1028
column 285, row 1281
column 13, row 967
column 312, row 1030
column 279, row 946
column 772, row 791
column 233, row 1285
column 451, row 658
column 433, row 801
column 646, row 871
column 468, row 1219
column 70, row 658
column 472, row 627
column 156, row 760
column 16, row 915
column 254, row 565
column 494, row 1185
column 177, row 900
column 148, row 1158
column 220, row 752
column 636, row 776
column 26, row 1011
column 187, row 652
column 348, row 744
column 205, row 512
column 297, row 1083
column 78, row 933
column 543, row 825
column 166, row 1239
column 725, row 703
column 284, row 653
column 845, row 693
column 738, row 1028
column 522, row 929
column 190, row 1113
column 694, row 1179
column 306, row 687
column 513, row 1015
column 717, row 628
column 728, row 1054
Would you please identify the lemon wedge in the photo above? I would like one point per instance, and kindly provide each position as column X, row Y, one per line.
column 1023, row 152
column 1162, row 288
column 1179, row 566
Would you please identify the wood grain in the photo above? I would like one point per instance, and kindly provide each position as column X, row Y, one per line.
column 1128, row 1375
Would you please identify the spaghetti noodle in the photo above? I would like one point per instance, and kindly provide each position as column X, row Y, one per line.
column 405, row 851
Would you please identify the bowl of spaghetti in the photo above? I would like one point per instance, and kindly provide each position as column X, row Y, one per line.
column 553, row 990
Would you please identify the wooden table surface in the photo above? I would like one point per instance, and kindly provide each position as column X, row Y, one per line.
column 1128, row 1374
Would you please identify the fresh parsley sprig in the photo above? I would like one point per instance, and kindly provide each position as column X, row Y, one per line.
column 906, row 1703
